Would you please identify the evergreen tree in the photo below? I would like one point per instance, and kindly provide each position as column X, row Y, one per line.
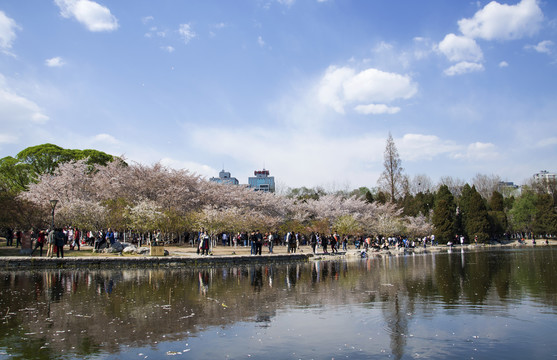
column 545, row 218
column 522, row 212
column 444, row 212
column 477, row 221
column 497, row 218
column 497, row 202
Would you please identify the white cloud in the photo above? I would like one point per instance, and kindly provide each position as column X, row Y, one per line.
column 463, row 68
column 147, row 19
column 186, row 32
column 376, row 109
column 552, row 141
column 55, row 62
column 16, row 108
column 543, row 47
column 503, row 22
column 8, row 139
column 20, row 117
column 191, row 166
column 297, row 161
column 343, row 86
column 503, row 64
column 460, row 48
column 260, row 41
column 287, row 2
column 105, row 138
column 415, row 147
column 92, row 15
column 479, row 151
column 168, row 49
column 8, row 28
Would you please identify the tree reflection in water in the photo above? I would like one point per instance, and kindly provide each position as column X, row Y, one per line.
column 355, row 308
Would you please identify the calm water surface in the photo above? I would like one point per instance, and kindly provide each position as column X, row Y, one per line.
column 474, row 304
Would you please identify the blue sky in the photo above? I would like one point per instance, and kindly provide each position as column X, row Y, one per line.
column 307, row 89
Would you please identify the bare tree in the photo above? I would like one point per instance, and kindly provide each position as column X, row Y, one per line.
column 486, row 184
column 454, row 184
column 392, row 179
column 421, row 183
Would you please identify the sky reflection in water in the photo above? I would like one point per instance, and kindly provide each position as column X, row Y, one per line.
column 472, row 304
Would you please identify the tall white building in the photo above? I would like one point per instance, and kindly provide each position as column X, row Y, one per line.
column 545, row 175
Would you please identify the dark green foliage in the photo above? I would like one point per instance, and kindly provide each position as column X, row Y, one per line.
column 419, row 204
column 498, row 224
column 381, row 197
column 444, row 213
column 369, row 197
column 497, row 202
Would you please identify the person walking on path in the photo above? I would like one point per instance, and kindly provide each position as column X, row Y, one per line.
column 41, row 239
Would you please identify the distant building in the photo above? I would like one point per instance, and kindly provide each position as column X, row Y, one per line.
column 544, row 175
column 225, row 178
column 262, row 181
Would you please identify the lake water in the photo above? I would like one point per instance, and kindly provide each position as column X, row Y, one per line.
column 466, row 305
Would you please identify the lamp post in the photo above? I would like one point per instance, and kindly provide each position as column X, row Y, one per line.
column 53, row 206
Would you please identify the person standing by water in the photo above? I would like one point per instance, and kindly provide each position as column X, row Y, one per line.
column 258, row 242
column 10, row 237
column 59, row 241
column 270, row 239
column 18, row 235
column 324, row 243
column 110, row 237
column 204, row 243
column 51, row 243
column 313, row 241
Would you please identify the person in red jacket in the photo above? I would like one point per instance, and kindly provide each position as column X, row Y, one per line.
column 41, row 239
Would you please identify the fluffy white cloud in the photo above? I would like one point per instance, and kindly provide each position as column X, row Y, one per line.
column 55, row 62
column 186, row 32
column 92, row 15
column 503, row 22
column 8, row 28
column 344, row 86
column 503, row 64
column 460, row 48
column 168, row 49
column 260, row 41
column 463, row 68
